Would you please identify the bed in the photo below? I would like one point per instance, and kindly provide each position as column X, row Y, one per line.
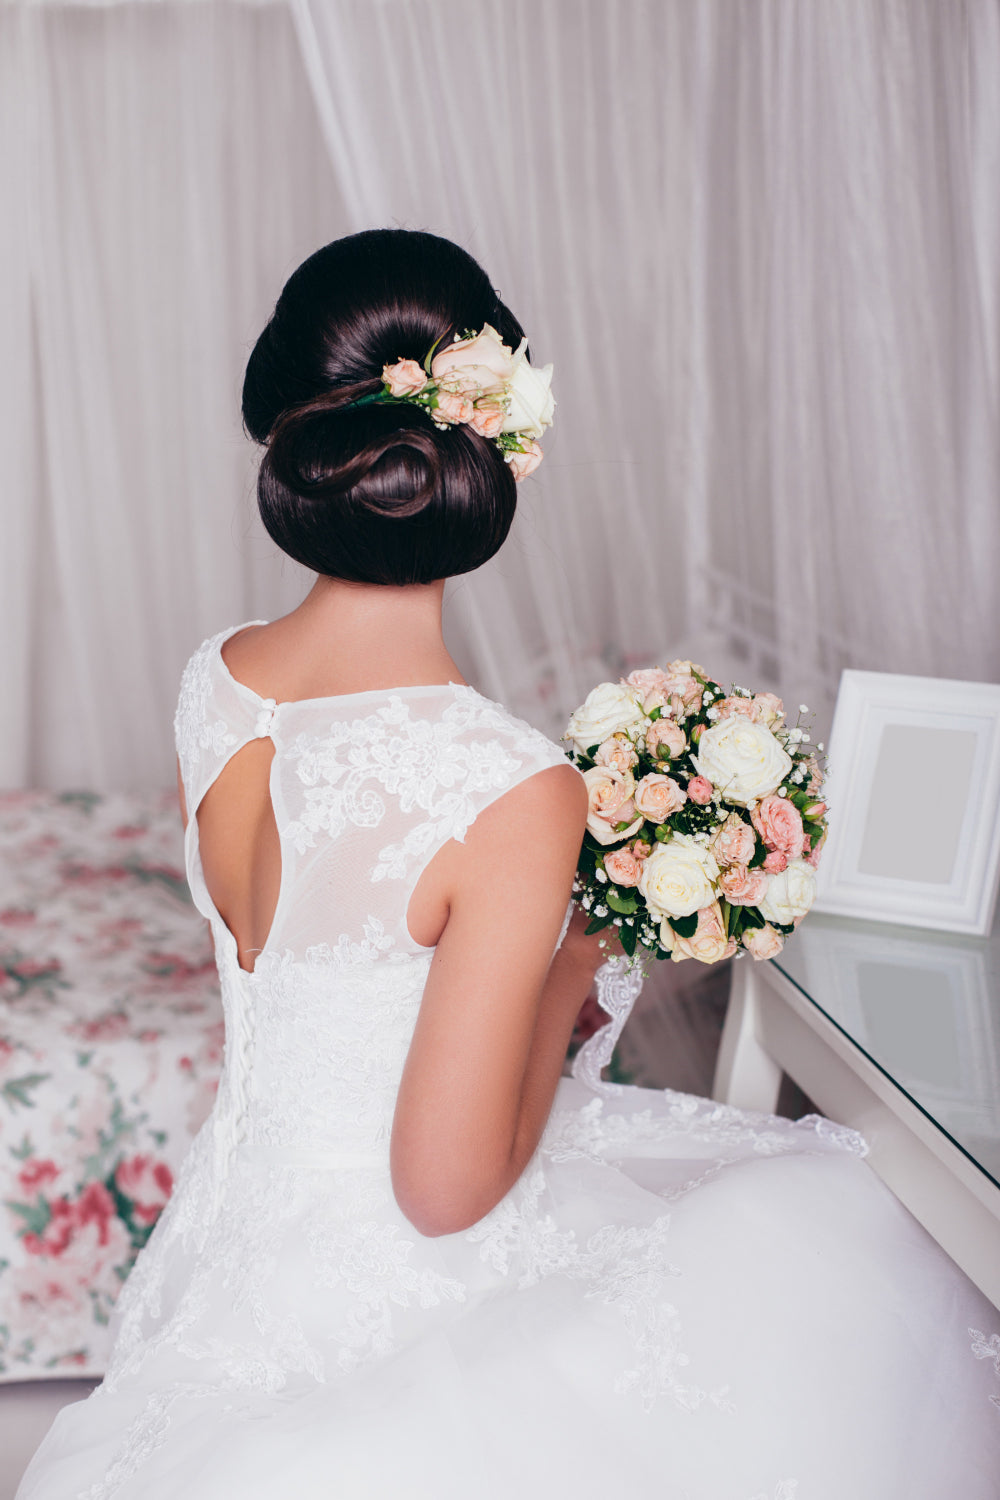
column 110, row 1050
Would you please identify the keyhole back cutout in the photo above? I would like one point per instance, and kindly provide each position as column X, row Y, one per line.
column 240, row 849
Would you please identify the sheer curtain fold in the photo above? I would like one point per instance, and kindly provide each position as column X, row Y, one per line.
column 759, row 240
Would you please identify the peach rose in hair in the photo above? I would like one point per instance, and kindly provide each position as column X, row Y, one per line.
column 404, row 378
column 453, row 407
column 482, row 364
column 779, row 824
column 523, row 464
column 487, row 419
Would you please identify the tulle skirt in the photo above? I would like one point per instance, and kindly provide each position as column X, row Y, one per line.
column 677, row 1300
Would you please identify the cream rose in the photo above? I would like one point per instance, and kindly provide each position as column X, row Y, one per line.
column 609, row 709
column 762, row 942
column 482, row 365
column 658, row 797
column 609, row 801
column 663, row 735
column 531, row 402
column 742, row 759
column 790, row 894
column 708, row 943
column 769, row 710
column 618, row 751
column 678, row 877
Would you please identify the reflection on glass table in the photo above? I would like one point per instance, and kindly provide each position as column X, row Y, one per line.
column 923, row 1006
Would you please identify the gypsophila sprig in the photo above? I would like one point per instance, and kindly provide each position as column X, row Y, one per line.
column 706, row 817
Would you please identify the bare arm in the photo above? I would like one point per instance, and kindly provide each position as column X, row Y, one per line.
column 498, row 1009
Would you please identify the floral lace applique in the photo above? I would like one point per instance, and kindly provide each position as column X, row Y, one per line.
column 195, row 728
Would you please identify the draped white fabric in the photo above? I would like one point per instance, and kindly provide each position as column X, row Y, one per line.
column 761, row 242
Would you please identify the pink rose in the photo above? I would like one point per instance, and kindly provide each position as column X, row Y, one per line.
column 779, row 824
column 453, row 407
column 622, row 867
column 487, row 419
column 775, row 862
column 617, row 751
column 728, row 708
column 734, row 844
column 814, row 810
column 813, row 856
column 641, row 849
column 658, row 797
column 681, row 684
column 665, row 737
column 742, row 887
column 404, row 378
column 610, row 802
column 483, row 364
column 708, row 943
column 652, row 685
column 147, row 1184
column 763, row 942
column 699, row 789
column 523, row 464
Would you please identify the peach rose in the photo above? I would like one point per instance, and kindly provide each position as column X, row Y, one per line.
column 641, row 849
column 735, row 704
column 483, row 364
column 779, row 824
column 523, row 464
column 763, row 942
column 708, row 943
column 699, row 789
column 742, row 887
column 487, row 419
column 452, row 407
column 683, row 685
column 769, row 708
column 775, row 862
column 664, row 736
column 658, row 797
column 610, row 801
column 622, row 867
column 652, row 685
column 617, row 751
column 404, row 378
column 734, row 844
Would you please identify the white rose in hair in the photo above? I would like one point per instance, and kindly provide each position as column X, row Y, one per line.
column 609, row 709
column 531, row 399
column 679, row 877
column 790, row 894
column 742, row 759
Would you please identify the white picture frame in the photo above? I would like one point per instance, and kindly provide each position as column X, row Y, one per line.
column 913, row 790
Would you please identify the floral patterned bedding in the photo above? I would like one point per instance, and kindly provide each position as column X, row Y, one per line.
column 110, row 1050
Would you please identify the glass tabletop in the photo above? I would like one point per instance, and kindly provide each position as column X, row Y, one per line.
column 923, row 1006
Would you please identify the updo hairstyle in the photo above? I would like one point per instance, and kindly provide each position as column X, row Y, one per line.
column 374, row 494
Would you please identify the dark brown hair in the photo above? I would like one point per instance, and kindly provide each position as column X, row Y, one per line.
column 374, row 494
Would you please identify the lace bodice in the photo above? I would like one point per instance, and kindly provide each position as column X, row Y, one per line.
column 366, row 788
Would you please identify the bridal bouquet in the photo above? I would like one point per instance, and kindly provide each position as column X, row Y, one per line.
column 706, row 816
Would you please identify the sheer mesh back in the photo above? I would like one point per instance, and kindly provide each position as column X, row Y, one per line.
column 366, row 789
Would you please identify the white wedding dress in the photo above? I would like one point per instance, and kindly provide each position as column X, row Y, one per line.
column 677, row 1299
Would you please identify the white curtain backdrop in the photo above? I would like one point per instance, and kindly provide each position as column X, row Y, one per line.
column 760, row 240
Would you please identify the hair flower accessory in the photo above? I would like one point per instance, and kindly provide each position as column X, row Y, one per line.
column 478, row 380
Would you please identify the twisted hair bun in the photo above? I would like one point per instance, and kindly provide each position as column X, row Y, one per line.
column 374, row 494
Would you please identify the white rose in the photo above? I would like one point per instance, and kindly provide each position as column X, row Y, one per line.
column 678, row 877
column 790, row 894
column 742, row 759
column 609, row 709
column 531, row 400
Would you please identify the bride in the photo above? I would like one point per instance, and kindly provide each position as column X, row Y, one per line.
column 405, row 1258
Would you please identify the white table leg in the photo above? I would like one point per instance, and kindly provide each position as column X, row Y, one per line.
column 745, row 1074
